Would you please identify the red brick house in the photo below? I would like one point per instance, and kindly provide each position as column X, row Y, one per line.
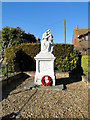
column 38, row 39
column 81, row 39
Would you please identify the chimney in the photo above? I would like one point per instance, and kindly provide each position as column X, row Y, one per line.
column 77, row 27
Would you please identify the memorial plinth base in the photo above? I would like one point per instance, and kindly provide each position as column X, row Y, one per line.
column 44, row 66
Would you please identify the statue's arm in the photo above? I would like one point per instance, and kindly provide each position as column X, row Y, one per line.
column 47, row 36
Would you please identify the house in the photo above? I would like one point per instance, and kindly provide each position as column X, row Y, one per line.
column 81, row 39
column 37, row 39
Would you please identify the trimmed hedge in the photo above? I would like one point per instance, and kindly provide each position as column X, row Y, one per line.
column 71, row 61
column 21, row 57
column 62, row 50
column 85, row 63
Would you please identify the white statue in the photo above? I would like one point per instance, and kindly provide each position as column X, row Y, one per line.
column 47, row 42
column 45, row 60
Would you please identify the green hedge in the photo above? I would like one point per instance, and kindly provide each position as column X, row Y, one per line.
column 22, row 56
column 85, row 63
column 69, row 62
column 62, row 50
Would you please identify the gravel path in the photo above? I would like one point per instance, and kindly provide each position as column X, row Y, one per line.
column 69, row 103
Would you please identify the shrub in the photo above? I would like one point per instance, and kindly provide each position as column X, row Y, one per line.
column 85, row 65
column 68, row 62
column 62, row 50
column 21, row 57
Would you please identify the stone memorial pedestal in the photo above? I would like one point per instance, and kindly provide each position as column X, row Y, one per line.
column 44, row 66
column 45, row 61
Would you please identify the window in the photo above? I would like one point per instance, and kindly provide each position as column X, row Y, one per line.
column 86, row 37
column 77, row 36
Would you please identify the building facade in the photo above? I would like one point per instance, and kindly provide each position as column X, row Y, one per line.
column 81, row 39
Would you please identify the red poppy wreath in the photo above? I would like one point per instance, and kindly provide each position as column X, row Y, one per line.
column 46, row 80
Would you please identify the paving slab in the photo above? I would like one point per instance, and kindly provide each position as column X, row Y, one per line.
column 58, row 87
column 32, row 85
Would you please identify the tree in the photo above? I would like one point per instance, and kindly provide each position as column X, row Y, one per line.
column 12, row 36
column 1, row 47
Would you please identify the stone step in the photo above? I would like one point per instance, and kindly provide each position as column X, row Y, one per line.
column 30, row 85
column 58, row 87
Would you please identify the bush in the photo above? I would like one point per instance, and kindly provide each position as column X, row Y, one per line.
column 68, row 62
column 85, row 62
column 62, row 50
column 21, row 57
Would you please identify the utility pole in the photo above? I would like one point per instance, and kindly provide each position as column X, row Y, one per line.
column 65, row 31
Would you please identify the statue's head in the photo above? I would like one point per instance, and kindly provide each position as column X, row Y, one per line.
column 46, row 35
column 48, row 31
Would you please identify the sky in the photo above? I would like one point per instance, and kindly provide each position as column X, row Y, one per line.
column 37, row 17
